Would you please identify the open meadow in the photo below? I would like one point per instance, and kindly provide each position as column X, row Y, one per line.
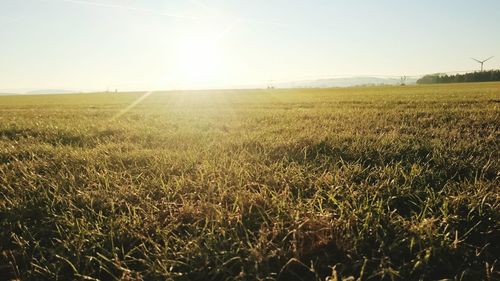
column 365, row 183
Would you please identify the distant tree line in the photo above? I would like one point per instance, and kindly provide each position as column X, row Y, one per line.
column 483, row 76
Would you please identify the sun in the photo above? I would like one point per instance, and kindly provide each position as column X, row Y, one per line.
column 199, row 58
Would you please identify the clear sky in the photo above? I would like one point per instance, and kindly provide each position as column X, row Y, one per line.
column 165, row 44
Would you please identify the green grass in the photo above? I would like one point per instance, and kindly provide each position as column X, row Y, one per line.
column 380, row 183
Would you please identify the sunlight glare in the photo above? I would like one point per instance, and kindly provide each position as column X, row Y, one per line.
column 199, row 58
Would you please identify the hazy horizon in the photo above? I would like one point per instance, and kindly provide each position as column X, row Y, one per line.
column 131, row 45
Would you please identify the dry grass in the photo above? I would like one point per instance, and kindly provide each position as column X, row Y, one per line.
column 384, row 183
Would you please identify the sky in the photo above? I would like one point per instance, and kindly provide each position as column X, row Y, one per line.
column 186, row 44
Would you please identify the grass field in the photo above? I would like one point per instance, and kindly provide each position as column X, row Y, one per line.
column 375, row 183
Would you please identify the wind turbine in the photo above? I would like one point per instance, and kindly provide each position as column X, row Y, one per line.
column 482, row 62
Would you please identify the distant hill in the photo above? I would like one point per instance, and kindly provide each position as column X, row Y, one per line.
column 20, row 91
column 344, row 82
column 49, row 91
column 310, row 83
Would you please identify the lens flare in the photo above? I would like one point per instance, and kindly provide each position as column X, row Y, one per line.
column 132, row 105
